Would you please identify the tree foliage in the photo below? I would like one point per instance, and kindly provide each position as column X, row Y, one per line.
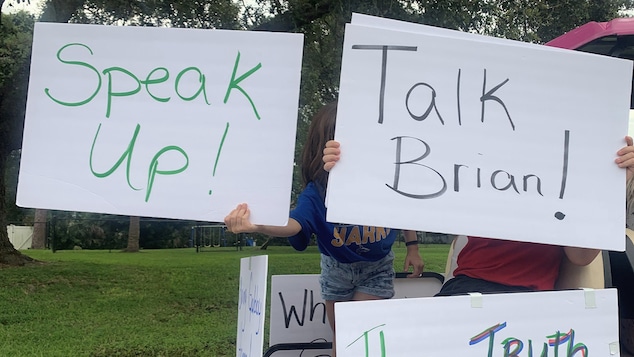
column 15, row 49
column 16, row 33
column 11, row 3
column 84, row 230
column 541, row 21
column 206, row 14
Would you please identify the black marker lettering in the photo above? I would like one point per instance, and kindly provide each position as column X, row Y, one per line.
column 489, row 96
column 384, row 50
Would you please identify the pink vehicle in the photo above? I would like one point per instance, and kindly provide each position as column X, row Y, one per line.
column 613, row 38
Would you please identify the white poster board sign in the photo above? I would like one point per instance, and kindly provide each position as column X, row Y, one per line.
column 565, row 323
column 160, row 122
column 251, row 306
column 298, row 313
column 496, row 139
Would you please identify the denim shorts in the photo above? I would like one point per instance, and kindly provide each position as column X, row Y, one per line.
column 339, row 281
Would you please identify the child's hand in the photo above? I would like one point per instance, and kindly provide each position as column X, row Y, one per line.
column 414, row 260
column 331, row 154
column 238, row 220
column 625, row 159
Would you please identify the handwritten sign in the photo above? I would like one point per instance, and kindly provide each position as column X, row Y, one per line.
column 160, row 122
column 468, row 136
column 298, row 313
column 251, row 306
column 565, row 323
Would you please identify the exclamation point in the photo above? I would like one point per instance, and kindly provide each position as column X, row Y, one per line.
column 560, row 215
column 222, row 142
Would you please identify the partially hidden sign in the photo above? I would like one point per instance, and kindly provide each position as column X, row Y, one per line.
column 450, row 132
column 160, row 122
column 298, row 313
column 251, row 306
column 575, row 323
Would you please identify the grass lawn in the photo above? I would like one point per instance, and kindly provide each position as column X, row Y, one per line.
column 172, row 302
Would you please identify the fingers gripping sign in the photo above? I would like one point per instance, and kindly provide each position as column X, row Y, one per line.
column 626, row 157
column 331, row 154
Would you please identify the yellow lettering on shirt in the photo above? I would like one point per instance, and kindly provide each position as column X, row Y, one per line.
column 354, row 237
column 381, row 233
column 338, row 232
column 368, row 234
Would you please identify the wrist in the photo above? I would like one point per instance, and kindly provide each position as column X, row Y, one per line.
column 410, row 243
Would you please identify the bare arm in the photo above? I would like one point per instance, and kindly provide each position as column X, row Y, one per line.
column 413, row 258
column 238, row 222
column 581, row 256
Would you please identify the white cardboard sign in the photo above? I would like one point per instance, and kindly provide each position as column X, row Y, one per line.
column 298, row 313
column 251, row 306
column 160, row 122
column 466, row 136
column 565, row 323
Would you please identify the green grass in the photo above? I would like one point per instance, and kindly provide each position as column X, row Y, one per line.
column 155, row 303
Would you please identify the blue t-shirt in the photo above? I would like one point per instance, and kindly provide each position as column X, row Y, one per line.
column 345, row 243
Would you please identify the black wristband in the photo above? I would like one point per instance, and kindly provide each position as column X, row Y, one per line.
column 411, row 243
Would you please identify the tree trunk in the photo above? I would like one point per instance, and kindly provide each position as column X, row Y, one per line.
column 8, row 254
column 39, row 229
column 266, row 244
column 134, row 232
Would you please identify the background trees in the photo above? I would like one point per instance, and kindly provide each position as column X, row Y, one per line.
column 321, row 21
column 15, row 49
column 11, row 3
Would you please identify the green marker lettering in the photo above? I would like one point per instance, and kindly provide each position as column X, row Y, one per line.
column 149, row 80
column 234, row 83
column 119, row 94
column 154, row 167
column 201, row 79
column 126, row 154
column 78, row 63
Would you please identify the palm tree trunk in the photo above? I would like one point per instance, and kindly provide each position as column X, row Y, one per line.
column 134, row 232
column 39, row 229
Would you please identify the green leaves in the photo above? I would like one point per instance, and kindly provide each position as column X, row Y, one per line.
column 16, row 33
column 219, row 14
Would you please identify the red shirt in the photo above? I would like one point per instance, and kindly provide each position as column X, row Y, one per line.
column 532, row 265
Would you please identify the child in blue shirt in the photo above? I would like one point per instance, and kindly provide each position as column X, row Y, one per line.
column 356, row 261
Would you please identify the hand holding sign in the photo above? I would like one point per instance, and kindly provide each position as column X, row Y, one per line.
column 449, row 107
